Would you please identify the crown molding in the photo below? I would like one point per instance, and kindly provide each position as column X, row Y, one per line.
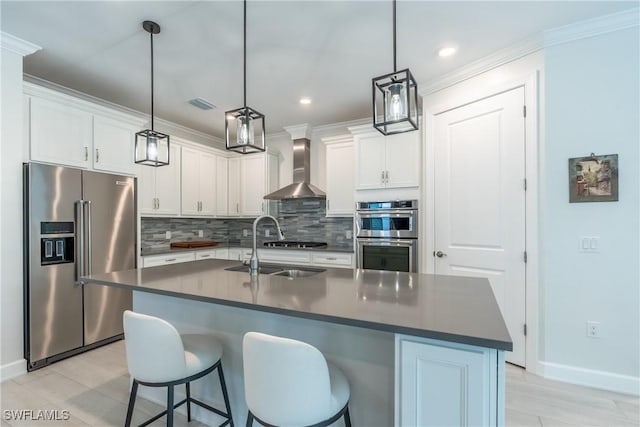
column 341, row 126
column 592, row 27
column 299, row 131
column 328, row 140
column 503, row 56
column 34, row 82
column 588, row 28
column 17, row 45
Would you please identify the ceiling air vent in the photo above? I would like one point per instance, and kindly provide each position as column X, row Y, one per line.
column 202, row 104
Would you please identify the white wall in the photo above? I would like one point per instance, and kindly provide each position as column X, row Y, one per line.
column 11, row 158
column 592, row 105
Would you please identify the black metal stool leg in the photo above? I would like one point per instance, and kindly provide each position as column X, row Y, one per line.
column 132, row 402
column 170, row 406
column 249, row 419
column 223, row 385
column 347, row 418
column 188, row 402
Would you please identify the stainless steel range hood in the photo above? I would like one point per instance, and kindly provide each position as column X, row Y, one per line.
column 301, row 188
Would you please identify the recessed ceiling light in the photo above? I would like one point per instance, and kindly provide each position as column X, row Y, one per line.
column 446, row 51
column 305, row 100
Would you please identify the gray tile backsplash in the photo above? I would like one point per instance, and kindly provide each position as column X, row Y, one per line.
column 299, row 219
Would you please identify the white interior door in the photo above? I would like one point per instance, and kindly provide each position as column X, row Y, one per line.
column 480, row 201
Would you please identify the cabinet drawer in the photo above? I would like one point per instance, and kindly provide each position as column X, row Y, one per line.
column 284, row 257
column 207, row 254
column 333, row 259
column 154, row 260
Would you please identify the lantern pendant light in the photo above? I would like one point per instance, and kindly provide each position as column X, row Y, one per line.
column 244, row 127
column 152, row 147
column 395, row 97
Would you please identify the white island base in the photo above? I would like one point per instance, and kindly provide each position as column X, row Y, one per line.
column 395, row 379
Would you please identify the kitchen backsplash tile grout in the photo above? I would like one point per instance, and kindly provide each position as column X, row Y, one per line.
column 299, row 220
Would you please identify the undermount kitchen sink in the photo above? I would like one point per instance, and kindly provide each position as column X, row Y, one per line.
column 299, row 272
column 280, row 270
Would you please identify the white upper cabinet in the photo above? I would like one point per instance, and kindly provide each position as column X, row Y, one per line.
column 113, row 145
column 233, row 186
column 250, row 178
column 340, row 164
column 387, row 161
column 68, row 131
column 159, row 187
column 198, row 182
column 253, row 179
column 221, row 183
column 60, row 133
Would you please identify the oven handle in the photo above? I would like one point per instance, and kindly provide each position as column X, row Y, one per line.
column 377, row 214
column 409, row 242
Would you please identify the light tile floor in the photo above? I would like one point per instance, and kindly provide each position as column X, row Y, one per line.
column 94, row 388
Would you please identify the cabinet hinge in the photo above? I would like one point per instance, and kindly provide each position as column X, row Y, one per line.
column 525, row 184
column 524, row 111
column 525, row 257
column 525, row 329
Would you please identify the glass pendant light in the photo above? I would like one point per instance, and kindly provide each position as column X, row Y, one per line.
column 246, row 135
column 395, row 97
column 152, row 147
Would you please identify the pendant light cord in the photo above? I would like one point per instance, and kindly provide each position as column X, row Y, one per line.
column 394, row 37
column 151, row 33
column 244, row 59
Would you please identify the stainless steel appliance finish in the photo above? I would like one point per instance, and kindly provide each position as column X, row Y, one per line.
column 76, row 223
column 388, row 254
column 387, row 235
column 394, row 219
column 300, row 188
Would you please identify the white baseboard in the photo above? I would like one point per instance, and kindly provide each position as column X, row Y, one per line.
column 591, row 378
column 13, row 369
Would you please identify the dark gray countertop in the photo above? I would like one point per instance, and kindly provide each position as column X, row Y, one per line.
column 450, row 308
column 169, row 250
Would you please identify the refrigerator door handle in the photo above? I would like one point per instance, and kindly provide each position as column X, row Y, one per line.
column 89, row 238
column 79, row 240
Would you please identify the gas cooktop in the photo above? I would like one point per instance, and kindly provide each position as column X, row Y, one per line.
column 294, row 244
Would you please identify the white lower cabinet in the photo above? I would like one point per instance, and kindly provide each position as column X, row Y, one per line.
column 440, row 383
column 166, row 259
column 332, row 259
column 239, row 254
column 279, row 256
column 221, row 253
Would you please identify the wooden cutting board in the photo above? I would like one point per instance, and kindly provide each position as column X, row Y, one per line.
column 194, row 244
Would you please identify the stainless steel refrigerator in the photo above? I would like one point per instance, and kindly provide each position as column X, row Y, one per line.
column 76, row 223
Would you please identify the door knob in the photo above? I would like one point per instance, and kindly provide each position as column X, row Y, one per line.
column 440, row 254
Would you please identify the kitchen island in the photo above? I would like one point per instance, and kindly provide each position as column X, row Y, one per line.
column 417, row 349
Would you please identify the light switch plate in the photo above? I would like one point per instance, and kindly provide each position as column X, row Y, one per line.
column 590, row 244
column 167, row 235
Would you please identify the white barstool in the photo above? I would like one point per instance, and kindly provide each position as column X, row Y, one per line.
column 289, row 383
column 157, row 356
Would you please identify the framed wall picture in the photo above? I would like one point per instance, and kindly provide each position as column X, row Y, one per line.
column 593, row 179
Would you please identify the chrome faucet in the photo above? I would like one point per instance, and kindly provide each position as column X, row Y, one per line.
column 253, row 263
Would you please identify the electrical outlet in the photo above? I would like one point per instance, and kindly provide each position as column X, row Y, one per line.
column 348, row 234
column 267, row 232
column 167, row 235
column 200, row 233
column 245, row 232
column 593, row 329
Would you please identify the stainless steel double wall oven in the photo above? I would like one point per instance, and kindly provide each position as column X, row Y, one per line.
column 387, row 235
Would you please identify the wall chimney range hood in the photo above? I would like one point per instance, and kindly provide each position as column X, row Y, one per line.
column 301, row 188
